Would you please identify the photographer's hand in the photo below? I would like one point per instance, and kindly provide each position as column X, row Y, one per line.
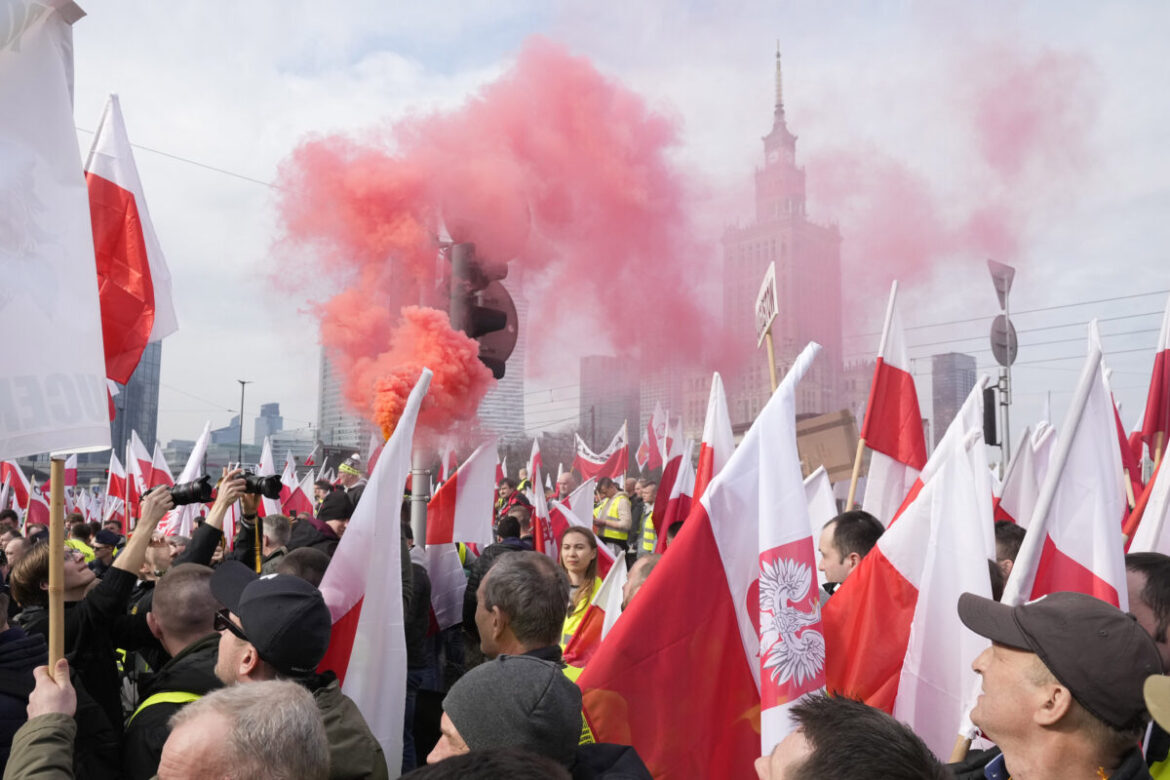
column 231, row 488
column 153, row 507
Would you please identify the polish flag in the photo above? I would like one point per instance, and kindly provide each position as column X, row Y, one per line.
column 116, row 491
column 5, row 493
column 448, row 463
column 38, row 506
column 1152, row 533
column 160, row 472
column 718, row 439
column 1130, row 464
column 373, row 451
column 180, row 520
column 674, row 497
column 581, row 499
column 312, row 459
column 71, row 471
column 612, row 463
column 289, row 482
column 561, row 518
column 679, row 677
column 893, row 423
column 144, row 460
column 461, row 509
column 133, row 280
column 300, row 498
column 1156, row 422
column 822, row 507
column 448, row 583
column 267, row 468
column 893, row 634
column 367, row 649
column 14, row 477
column 534, row 461
column 600, row 616
column 1073, row 542
column 1025, row 475
column 652, row 449
column 543, row 539
column 501, row 468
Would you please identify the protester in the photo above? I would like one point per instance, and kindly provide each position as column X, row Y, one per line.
column 353, row 484
column 507, row 496
column 840, row 739
column 521, row 604
column 416, row 624
column 278, row 627
column 1062, row 688
column 20, row 653
column 493, row 764
column 507, row 541
column 646, row 535
column 324, row 531
column 1008, row 539
column 845, row 540
column 307, row 563
column 105, row 545
column 579, row 560
column 637, row 577
column 97, row 619
column 321, row 488
column 177, row 545
column 182, row 617
column 1148, row 582
column 612, row 517
column 266, row 731
column 566, row 484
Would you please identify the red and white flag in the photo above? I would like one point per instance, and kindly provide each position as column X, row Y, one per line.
column 312, row 459
column 448, row 583
column 1025, row 475
column 71, row 471
column 612, row 463
column 581, row 499
column 133, row 278
column 1156, row 423
column 543, row 538
column 12, row 475
column 674, row 494
column 461, row 509
column 181, row 519
column 534, row 461
column 892, row 630
column 501, row 468
column 300, row 497
column 699, row 612
column 160, row 472
column 53, row 384
column 367, row 649
column 139, row 461
column 600, row 616
column 267, row 468
column 561, row 518
column 1153, row 532
column 116, row 491
column 448, row 462
column 893, row 423
column 822, row 506
column 373, row 450
column 1074, row 541
column 718, row 439
column 652, row 450
column 38, row 506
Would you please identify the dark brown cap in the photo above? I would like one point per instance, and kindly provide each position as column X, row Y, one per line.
column 1094, row 649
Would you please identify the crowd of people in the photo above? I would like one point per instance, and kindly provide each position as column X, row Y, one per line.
column 183, row 660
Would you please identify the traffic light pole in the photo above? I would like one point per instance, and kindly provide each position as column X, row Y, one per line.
column 1005, row 378
column 419, row 495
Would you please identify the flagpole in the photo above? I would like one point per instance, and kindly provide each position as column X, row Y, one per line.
column 1159, row 442
column 56, row 562
column 771, row 359
column 856, row 473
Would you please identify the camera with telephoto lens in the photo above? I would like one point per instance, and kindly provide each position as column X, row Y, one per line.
column 196, row 492
column 268, row 486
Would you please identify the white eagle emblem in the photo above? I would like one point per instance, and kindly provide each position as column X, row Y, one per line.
column 794, row 652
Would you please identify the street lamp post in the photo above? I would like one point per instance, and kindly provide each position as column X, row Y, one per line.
column 240, row 451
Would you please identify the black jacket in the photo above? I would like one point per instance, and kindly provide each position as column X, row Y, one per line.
column 19, row 655
column 313, row 533
column 418, row 619
column 1132, row 767
column 191, row 671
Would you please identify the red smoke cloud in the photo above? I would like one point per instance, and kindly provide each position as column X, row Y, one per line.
column 553, row 168
column 1025, row 122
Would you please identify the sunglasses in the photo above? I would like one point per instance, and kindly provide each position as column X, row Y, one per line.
column 223, row 622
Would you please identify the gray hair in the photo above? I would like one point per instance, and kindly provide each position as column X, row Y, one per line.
column 276, row 730
column 278, row 529
column 533, row 592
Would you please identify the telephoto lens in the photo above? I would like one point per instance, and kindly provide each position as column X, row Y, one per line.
column 268, row 486
column 197, row 492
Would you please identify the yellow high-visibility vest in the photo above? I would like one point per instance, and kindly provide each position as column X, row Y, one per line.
column 649, row 535
column 610, row 509
column 165, row 697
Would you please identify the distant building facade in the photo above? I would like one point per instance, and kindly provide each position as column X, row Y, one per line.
column 268, row 423
column 609, row 397
column 136, row 405
column 952, row 377
column 337, row 424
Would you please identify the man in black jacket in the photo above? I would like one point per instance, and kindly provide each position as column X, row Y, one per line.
column 19, row 655
column 183, row 620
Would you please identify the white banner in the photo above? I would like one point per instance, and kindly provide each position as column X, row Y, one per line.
column 52, row 375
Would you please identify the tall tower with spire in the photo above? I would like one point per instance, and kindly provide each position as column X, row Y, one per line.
column 808, row 281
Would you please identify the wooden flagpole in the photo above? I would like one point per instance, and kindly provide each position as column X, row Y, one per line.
column 771, row 359
column 856, row 473
column 56, row 562
column 962, row 747
column 1159, row 443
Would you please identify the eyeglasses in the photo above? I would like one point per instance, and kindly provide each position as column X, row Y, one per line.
column 223, row 622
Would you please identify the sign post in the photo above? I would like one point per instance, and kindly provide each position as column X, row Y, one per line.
column 1004, row 346
column 765, row 315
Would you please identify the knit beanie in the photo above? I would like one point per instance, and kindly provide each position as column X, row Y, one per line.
column 517, row 701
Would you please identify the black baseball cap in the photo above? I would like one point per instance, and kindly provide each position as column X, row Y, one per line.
column 1094, row 649
column 284, row 617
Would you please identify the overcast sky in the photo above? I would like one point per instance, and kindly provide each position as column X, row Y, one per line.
column 884, row 86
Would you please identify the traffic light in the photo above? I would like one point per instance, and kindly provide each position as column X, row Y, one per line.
column 481, row 307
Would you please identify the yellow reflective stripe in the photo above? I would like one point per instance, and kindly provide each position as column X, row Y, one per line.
column 165, row 697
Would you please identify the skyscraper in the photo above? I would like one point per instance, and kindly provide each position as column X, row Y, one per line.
column 136, row 406
column 808, row 282
column 337, row 424
column 268, row 423
column 952, row 377
column 609, row 398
